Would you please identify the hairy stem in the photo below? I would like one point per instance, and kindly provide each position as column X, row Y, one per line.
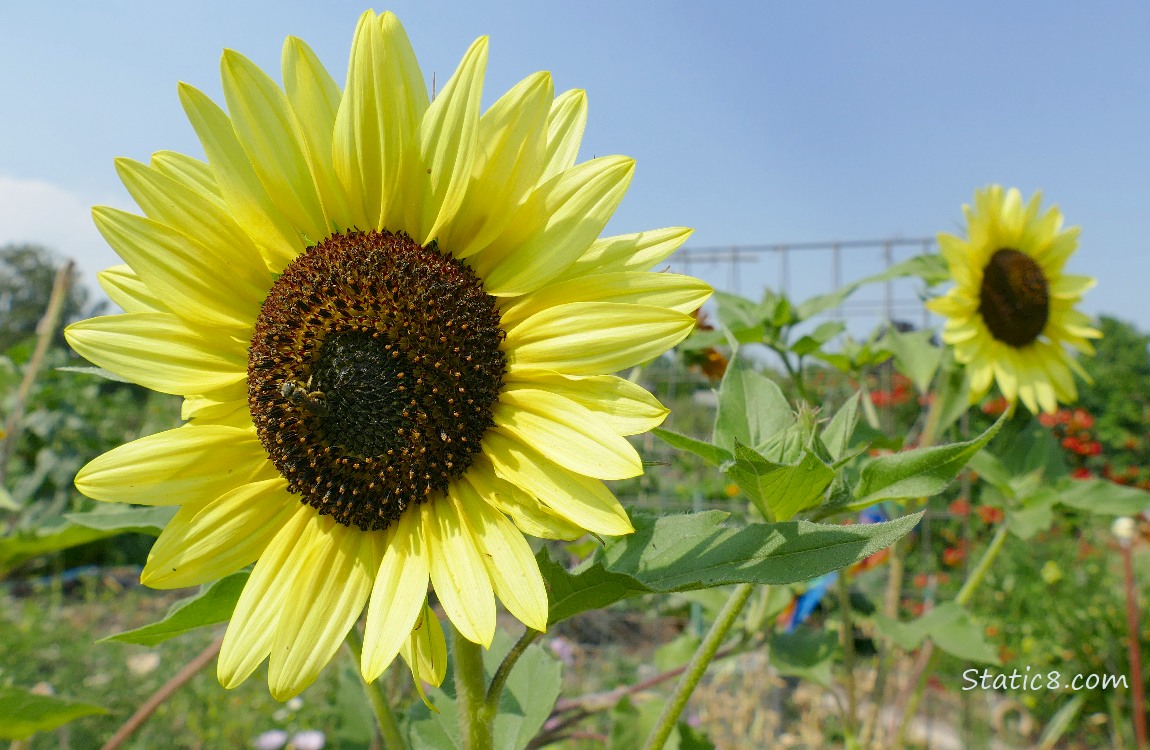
column 697, row 666
column 474, row 723
column 495, row 689
column 973, row 581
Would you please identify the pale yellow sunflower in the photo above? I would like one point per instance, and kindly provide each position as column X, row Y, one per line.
column 1010, row 315
column 394, row 324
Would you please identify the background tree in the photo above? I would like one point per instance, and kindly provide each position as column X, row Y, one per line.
column 26, row 276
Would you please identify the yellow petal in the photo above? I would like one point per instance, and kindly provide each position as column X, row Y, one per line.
column 507, row 555
column 382, row 106
column 314, row 97
column 266, row 128
column 437, row 166
column 626, row 407
column 555, row 226
column 566, row 432
column 239, row 184
column 196, row 283
column 425, row 652
column 593, row 338
column 668, row 290
column 124, row 287
column 565, row 125
column 398, row 596
column 457, row 572
column 581, row 500
column 507, row 165
column 336, row 570
column 524, row 510
column 191, row 173
column 248, row 639
column 203, row 543
column 208, row 410
column 196, row 215
column 640, row 251
column 185, row 465
column 161, row 352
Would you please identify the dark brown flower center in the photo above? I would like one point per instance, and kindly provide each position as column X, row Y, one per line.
column 372, row 374
column 1014, row 301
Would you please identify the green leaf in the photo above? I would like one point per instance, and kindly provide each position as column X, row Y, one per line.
column 531, row 691
column 712, row 454
column 1025, row 446
column 1027, row 521
column 752, row 408
column 25, row 545
column 805, row 653
column 814, row 340
column 918, row 473
column 954, row 631
column 951, row 393
column 699, row 550
column 22, row 714
column 951, row 628
column 214, row 604
column 991, row 471
column 123, row 519
column 837, row 435
column 1062, row 720
column 1102, row 498
column 528, row 697
column 915, row 356
column 780, row 490
column 930, row 267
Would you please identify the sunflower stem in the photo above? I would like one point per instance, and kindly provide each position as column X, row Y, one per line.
column 697, row 666
column 495, row 690
column 384, row 719
column 475, row 722
column 965, row 594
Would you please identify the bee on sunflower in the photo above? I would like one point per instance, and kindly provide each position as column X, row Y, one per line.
column 1011, row 314
column 394, row 326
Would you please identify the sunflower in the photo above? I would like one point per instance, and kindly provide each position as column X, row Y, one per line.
column 393, row 324
column 1010, row 315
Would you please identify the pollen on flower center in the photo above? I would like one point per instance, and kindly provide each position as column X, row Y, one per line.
column 1014, row 300
column 372, row 374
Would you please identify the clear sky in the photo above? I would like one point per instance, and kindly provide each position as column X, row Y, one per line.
column 755, row 122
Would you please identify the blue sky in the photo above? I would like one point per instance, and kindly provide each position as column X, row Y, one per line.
column 752, row 122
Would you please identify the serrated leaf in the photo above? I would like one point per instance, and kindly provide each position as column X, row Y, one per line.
column 23, row 714
column 712, row 454
column 212, row 605
column 123, row 519
column 700, row 550
column 923, row 472
column 780, row 490
column 752, row 408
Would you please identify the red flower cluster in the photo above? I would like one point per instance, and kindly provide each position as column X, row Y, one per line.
column 990, row 514
column 899, row 393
